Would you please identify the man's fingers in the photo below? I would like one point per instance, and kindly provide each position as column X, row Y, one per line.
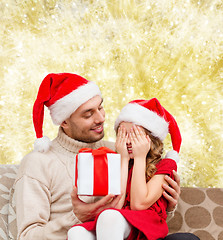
column 171, row 191
column 115, row 201
column 111, row 204
column 104, row 200
column 75, row 190
column 170, row 181
column 74, row 193
column 74, row 196
column 176, row 177
column 169, row 198
column 172, row 184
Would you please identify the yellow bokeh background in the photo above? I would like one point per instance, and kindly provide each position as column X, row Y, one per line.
column 169, row 49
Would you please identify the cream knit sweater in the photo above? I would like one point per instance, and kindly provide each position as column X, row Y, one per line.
column 43, row 187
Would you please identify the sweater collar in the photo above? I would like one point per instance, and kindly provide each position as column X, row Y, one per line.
column 72, row 145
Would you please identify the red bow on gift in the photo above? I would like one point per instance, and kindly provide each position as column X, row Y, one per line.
column 100, row 167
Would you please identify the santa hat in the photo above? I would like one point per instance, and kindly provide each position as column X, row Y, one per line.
column 62, row 93
column 155, row 118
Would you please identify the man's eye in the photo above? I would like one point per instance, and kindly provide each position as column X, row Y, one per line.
column 87, row 116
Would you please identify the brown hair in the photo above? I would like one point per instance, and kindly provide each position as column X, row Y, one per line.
column 154, row 155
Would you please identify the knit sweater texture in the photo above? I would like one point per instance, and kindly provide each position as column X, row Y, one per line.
column 43, row 187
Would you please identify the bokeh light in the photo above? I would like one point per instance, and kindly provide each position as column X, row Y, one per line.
column 169, row 49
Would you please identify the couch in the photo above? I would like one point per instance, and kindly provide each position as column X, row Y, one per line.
column 200, row 210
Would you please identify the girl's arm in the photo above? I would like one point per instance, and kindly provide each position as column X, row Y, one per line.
column 121, row 148
column 143, row 194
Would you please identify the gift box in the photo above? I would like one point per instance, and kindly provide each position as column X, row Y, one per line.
column 97, row 172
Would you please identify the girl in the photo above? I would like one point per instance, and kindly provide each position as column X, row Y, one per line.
column 141, row 212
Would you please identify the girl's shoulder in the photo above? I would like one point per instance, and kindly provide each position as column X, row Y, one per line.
column 166, row 166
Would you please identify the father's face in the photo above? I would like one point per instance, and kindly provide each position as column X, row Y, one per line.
column 86, row 123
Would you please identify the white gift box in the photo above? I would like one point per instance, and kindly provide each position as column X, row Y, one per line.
column 98, row 172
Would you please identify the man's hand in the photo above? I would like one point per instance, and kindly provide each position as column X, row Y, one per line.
column 172, row 191
column 88, row 211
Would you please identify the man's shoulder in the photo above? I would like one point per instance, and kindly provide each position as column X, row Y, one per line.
column 34, row 163
column 34, row 157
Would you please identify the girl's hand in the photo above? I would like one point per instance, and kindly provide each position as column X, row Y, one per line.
column 120, row 144
column 140, row 142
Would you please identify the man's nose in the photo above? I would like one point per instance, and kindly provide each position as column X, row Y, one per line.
column 100, row 117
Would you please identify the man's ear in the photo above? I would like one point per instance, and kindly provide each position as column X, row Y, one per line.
column 64, row 124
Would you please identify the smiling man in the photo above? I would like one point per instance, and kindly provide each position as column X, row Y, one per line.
column 45, row 207
column 86, row 123
column 45, row 179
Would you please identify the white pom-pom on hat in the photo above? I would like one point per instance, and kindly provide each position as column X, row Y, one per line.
column 172, row 154
column 42, row 144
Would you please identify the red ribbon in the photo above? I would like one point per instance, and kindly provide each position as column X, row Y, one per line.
column 100, row 169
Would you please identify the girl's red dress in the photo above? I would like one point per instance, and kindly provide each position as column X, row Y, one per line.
column 150, row 223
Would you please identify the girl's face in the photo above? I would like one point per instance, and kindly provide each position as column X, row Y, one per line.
column 128, row 126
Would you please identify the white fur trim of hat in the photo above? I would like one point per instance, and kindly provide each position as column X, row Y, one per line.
column 139, row 115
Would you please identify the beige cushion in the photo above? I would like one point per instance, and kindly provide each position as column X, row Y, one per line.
column 200, row 211
column 7, row 178
column 12, row 227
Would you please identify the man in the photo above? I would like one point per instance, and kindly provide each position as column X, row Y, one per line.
column 45, row 207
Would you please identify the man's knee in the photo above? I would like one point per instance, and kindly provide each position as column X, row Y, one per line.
column 181, row 236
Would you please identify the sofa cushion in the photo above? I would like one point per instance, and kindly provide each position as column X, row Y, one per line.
column 7, row 178
column 199, row 211
column 12, row 226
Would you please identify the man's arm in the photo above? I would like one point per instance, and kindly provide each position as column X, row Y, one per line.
column 34, row 201
column 33, row 213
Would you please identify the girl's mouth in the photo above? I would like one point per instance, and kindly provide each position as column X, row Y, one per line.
column 129, row 149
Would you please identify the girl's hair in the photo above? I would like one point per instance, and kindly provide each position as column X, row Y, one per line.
column 154, row 155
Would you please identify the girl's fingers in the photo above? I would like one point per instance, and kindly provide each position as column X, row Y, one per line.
column 148, row 138
column 136, row 131
column 140, row 134
column 126, row 137
column 132, row 137
column 119, row 140
column 123, row 132
column 119, row 132
column 122, row 135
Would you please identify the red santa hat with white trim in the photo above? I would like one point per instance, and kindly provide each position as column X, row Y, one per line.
column 62, row 93
column 155, row 118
